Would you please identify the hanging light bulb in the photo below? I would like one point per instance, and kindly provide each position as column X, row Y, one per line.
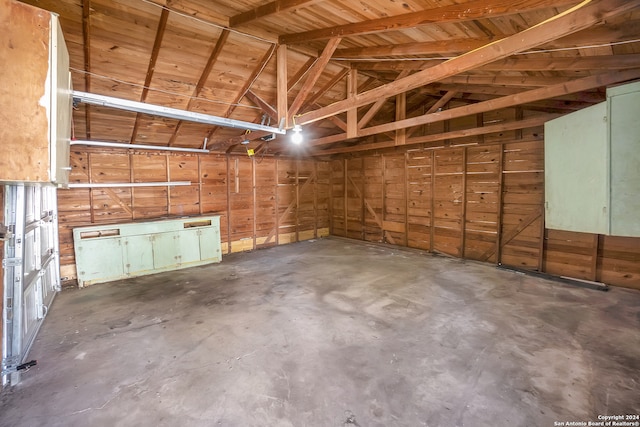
column 296, row 138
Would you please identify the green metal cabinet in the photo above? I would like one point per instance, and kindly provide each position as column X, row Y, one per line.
column 592, row 167
column 111, row 252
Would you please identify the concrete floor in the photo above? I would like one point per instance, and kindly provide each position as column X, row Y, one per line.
column 332, row 333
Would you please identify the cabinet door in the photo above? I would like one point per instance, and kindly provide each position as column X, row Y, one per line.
column 165, row 250
column 107, row 266
column 576, row 171
column 189, row 246
column 138, row 255
column 625, row 161
column 210, row 244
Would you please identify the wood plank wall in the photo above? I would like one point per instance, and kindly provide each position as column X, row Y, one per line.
column 261, row 202
column 482, row 202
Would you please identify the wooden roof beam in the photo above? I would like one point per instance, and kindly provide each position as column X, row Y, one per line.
column 530, row 96
column 588, row 13
column 440, row 47
column 462, row 133
column 264, row 105
column 324, row 89
column 606, row 34
column 508, row 101
column 277, row 6
column 314, row 74
column 518, row 63
column 467, row 11
column 375, row 108
column 213, row 56
column 248, row 83
column 162, row 25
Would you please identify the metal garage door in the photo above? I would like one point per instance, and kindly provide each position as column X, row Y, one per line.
column 31, row 270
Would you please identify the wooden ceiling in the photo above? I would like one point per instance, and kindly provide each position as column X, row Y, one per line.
column 357, row 75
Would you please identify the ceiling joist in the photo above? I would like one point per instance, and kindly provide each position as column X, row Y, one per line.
column 475, row 9
column 433, row 116
column 586, row 14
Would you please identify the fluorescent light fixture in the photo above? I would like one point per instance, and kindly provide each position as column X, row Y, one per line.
column 136, row 146
column 172, row 113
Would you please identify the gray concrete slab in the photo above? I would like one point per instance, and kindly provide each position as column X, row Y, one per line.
column 332, row 333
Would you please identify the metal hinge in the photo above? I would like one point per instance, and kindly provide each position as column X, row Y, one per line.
column 11, row 262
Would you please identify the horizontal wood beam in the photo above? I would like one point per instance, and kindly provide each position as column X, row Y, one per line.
column 588, row 13
column 440, row 47
column 513, row 81
column 278, row 6
column 467, row 11
column 578, row 85
column 462, row 133
column 579, row 63
column 600, row 35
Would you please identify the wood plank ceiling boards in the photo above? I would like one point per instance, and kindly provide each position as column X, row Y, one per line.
column 361, row 72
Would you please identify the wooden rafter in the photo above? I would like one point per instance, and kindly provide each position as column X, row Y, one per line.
column 588, row 13
column 467, row 11
column 584, row 63
column 215, row 53
column 162, row 25
column 462, row 133
column 508, row 101
column 440, row 47
column 264, row 105
column 375, row 108
column 456, row 46
column 248, row 83
column 324, row 89
column 514, row 81
column 314, row 74
column 277, row 6
column 295, row 79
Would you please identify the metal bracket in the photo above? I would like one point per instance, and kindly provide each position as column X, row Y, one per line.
column 9, row 365
column 11, row 262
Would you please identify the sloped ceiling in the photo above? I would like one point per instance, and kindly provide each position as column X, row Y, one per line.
column 352, row 71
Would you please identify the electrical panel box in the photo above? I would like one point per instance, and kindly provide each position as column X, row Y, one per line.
column 592, row 167
column 35, row 96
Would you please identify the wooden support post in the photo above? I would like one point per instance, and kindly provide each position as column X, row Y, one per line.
column 168, row 172
column 401, row 114
column 480, row 123
column 346, row 199
column 498, row 249
column 131, row 179
column 384, row 198
column 463, row 220
column 297, row 200
column 432, row 219
column 595, row 258
column 281, row 85
column 228, row 204
column 91, row 210
column 406, row 198
column 255, row 201
column 200, row 210
column 352, row 114
column 277, row 205
column 519, row 116
column 363, row 207
column 331, row 228
column 315, row 200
